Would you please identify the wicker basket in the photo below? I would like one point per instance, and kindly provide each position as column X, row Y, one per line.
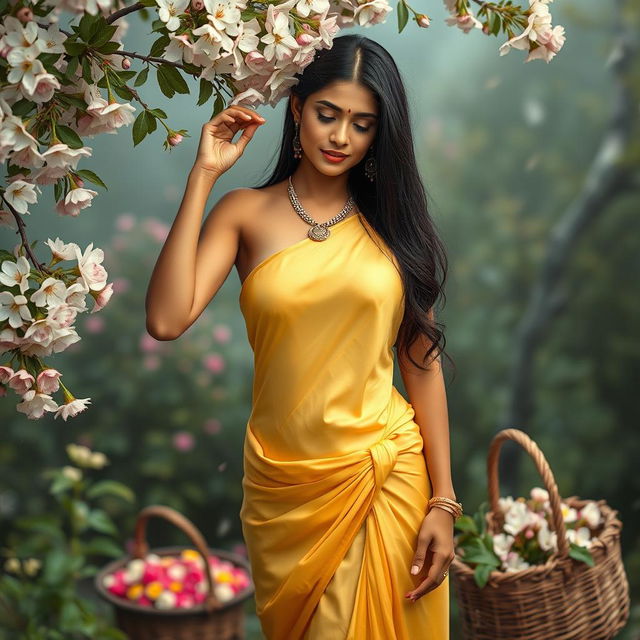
column 563, row 599
column 210, row 620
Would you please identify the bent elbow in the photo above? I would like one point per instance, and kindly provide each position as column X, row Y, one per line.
column 161, row 333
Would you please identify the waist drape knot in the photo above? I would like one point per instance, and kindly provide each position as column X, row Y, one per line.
column 384, row 455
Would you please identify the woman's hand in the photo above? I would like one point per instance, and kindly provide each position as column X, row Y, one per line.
column 216, row 152
column 434, row 552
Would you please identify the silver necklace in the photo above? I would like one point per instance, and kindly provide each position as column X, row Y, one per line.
column 318, row 230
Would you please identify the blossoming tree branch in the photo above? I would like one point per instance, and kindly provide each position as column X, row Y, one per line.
column 59, row 87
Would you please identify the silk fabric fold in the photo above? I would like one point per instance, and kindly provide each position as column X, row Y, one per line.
column 335, row 485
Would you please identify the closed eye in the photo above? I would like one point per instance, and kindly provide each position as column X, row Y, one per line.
column 357, row 126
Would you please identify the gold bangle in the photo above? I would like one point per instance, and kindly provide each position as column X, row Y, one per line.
column 455, row 508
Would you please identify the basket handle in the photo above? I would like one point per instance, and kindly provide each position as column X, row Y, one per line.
column 543, row 469
column 141, row 547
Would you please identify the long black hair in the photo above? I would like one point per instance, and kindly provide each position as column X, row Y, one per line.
column 395, row 204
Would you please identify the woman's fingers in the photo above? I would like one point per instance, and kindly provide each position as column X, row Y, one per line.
column 440, row 563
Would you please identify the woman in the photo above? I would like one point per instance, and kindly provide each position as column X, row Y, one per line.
column 338, row 260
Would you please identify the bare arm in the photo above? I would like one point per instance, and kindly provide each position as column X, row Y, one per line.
column 194, row 263
column 427, row 395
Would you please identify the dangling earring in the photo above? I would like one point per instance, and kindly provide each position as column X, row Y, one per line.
column 370, row 166
column 297, row 148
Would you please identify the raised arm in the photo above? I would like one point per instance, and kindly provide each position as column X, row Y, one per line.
column 196, row 259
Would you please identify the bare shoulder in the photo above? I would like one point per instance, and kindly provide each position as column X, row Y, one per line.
column 250, row 203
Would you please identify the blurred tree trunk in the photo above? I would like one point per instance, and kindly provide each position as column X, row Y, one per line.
column 613, row 171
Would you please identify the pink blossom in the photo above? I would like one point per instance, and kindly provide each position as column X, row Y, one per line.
column 94, row 324
column 183, row 441
column 214, row 362
column 35, row 404
column 48, row 381
column 149, row 344
column 125, row 222
column 5, row 374
column 21, row 381
column 156, row 229
column 212, row 426
column 102, row 299
column 222, row 333
column 175, row 139
column 72, row 408
column 151, row 363
column 24, row 15
column 120, row 285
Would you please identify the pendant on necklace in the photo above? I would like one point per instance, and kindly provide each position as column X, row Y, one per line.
column 318, row 232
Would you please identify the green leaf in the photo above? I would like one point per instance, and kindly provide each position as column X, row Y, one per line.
column 22, row 107
column 151, row 122
column 92, row 177
column 481, row 574
column 142, row 77
column 108, row 47
column 72, row 65
column 159, row 45
column 101, row 546
column 58, row 566
column 159, row 113
column 74, row 48
column 68, row 136
column 164, row 84
column 466, row 523
column 206, row 89
column 60, row 484
column 403, row 15
column 158, row 25
column 112, row 488
column 47, row 524
column 139, row 129
column 174, row 78
column 475, row 551
column 218, row 105
column 71, row 616
column 102, row 36
column 124, row 92
column 80, row 514
column 67, row 98
column 87, row 25
column 581, row 553
column 100, row 521
column 86, row 71
column 494, row 23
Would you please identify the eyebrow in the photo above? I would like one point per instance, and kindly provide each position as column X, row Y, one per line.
column 337, row 108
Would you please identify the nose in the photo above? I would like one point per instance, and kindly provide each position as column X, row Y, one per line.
column 339, row 136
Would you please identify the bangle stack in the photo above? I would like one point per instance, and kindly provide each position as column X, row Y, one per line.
column 453, row 507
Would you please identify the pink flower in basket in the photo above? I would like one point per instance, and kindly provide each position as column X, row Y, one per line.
column 175, row 582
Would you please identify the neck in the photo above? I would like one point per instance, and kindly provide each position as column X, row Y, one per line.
column 315, row 187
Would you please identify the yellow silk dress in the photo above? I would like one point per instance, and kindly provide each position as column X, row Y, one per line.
column 335, row 481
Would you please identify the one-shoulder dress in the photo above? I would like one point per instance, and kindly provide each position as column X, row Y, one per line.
column 335, row 484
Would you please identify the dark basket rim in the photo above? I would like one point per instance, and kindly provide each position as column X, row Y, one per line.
column 120, row 603
column 609, row 534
